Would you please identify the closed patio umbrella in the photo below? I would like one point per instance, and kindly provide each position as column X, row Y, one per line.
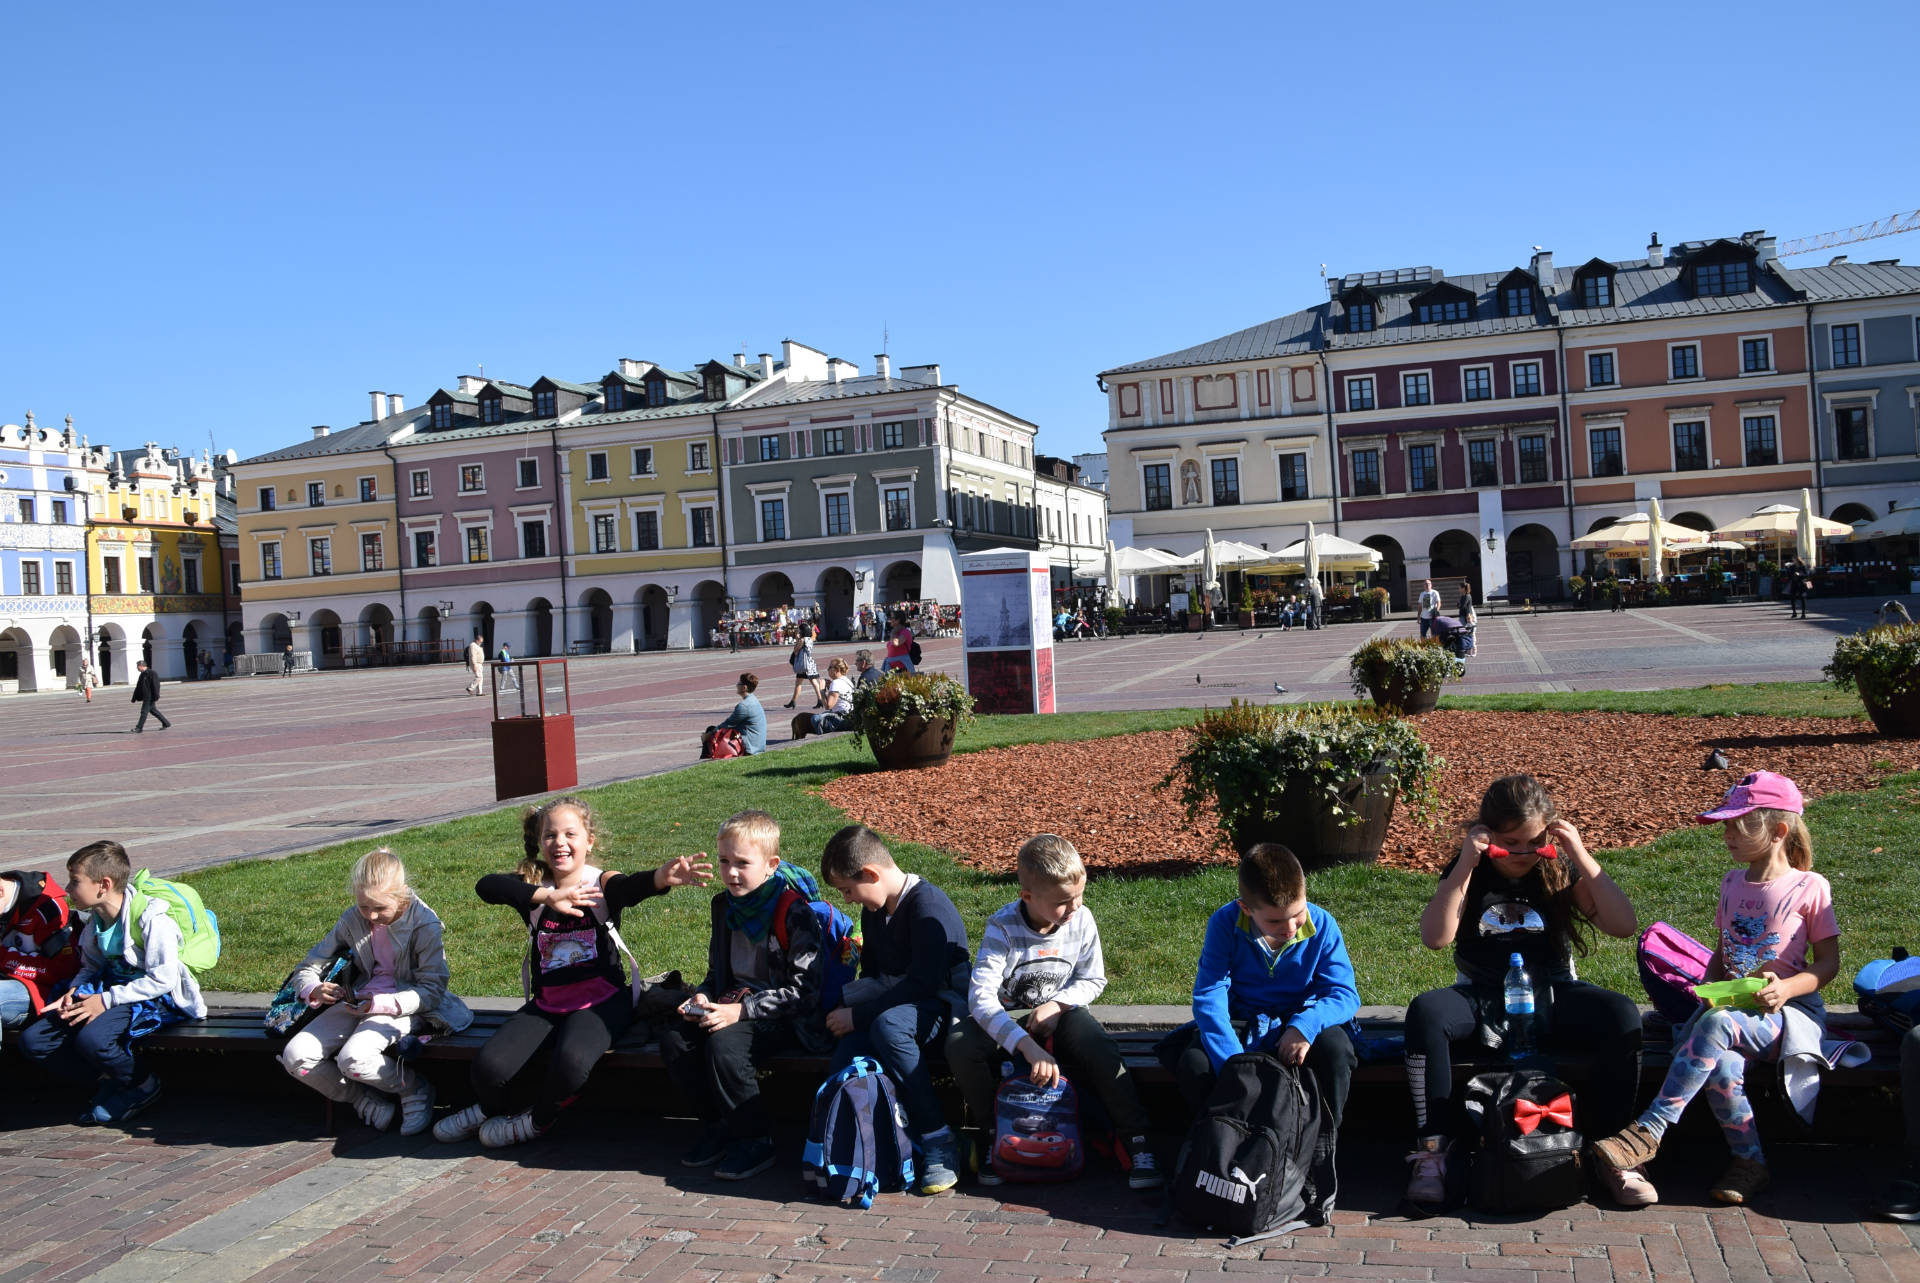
column 1804, row 544
column 1655, row 545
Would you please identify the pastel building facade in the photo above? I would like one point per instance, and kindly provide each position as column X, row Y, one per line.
column 43, row 557
column 1866, row 360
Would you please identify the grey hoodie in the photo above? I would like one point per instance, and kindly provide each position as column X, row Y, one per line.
column 419, row 964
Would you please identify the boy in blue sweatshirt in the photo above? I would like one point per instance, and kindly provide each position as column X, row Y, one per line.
column 1273, row 976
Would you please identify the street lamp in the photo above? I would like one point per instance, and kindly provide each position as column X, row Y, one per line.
column 293, row 616
column 673, row 593
column 446, row 610
column 1492, row 539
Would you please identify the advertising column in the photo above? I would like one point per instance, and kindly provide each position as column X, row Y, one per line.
column 1007, row 628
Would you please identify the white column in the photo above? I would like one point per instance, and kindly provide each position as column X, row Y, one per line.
column 1282, row 377
column 683, row 625
column 1493, row 562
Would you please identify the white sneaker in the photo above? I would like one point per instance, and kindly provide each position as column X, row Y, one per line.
column 1628, row 1186
column 416, row 1109
column 508, row 1129
column 458, row 1127
column 375, row 1110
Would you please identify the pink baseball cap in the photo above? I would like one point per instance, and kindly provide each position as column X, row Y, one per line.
column 1761, row 789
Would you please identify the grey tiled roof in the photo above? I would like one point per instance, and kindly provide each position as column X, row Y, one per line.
column 1287, row 335
column 364, row 436
column 821, row 390
column 1838, row 281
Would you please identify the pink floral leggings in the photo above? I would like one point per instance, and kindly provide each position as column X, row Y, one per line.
column 1715, row 1056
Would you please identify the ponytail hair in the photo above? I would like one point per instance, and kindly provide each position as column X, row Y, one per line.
column 1799, row 841
column 533, row 823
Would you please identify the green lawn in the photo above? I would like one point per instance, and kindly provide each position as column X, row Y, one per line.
column 1767, row 699
column 272, row 911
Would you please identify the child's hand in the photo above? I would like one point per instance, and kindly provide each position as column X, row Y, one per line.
column 1045, row 1018
column 326, row 994
column 573, row 900
column 1475, row 844
column 1046, row 1070
column 683, row 871
column 1773, row 997
column 83, row 1011
column 1567, row 839
column 1292, row 1047
column 720, row 1016
column 840, row 1022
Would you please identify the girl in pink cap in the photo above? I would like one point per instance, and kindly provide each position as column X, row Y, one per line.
column 1775, row 921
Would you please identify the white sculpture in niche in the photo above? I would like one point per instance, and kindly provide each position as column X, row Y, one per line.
column 1189, row 482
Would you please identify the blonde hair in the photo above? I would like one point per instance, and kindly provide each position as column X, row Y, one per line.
column 1051, row 859
column 756, row 828
column 1799, row 840
column 837, row 668
column 380, row 870
column 533, row 823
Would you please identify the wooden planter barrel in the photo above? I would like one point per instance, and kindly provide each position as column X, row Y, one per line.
column 1899, row 716
column 917, row 743
column 1304, row 822
column 1400, row 696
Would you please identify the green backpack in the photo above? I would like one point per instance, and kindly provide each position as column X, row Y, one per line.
column 199, row 929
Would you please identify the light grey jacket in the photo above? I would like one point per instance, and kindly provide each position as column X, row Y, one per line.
column 419, row 964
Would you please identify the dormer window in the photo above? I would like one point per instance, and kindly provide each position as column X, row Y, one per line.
column 1717, row 279
column 490, row 411
column 1443, row 311
column 656, row 390
column 716, row 387
column 1596, row 290
column 1359, row 318
column 1517, row 300
column 614, row 395
column 443, row 415
column 543, row 403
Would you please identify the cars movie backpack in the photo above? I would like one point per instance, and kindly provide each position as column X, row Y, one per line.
column 1671, row 964
column 1527, row 1157
column 36, row 937
column 1889, row 991
column 1243, row 1169
column 857, row 1142
column 199, row 929
column 839, row 943
column 1036, row 1130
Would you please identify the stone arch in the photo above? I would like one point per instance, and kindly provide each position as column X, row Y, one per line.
column 152, row 636
column 195, row 638
column 276, row 634
column 376, row 629
column 1393, row 567
column 900, row 582
column 654, row 613
column 236, row 642
column 1455, row 554
column 480, row 620
column 325, row 639
column 1692, row 520
column 1533, row 563
column 711, row 596
column 598, row 605
column 17, row 664
column 1852, row 512
column 539, row 628
column 836, row 602
column 112, row 660
column 429, row 618
column 63, row 652
column 1602, row 524
column 772, row 590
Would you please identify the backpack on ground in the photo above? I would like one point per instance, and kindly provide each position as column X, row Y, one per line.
column 839, row 943
column 857, row 1142
column 1243, row 1169
column 1671, row 964
column 723, row 742
column 199, row 928
column 289, row 1013
column 1036, row 1130
column 913, row 653
column 1528, row 1153
column 1889, row 991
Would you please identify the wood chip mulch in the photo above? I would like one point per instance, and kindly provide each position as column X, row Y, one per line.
column 1623, row 778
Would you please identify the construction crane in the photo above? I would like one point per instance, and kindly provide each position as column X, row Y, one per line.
column 1892, row 225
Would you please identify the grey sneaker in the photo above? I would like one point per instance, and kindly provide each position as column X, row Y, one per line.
column 375, row 1109
column 509, row 1129
column 416, row 1109
column 939, row 1160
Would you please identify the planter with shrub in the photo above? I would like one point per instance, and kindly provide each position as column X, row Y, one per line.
column 1403, row 673
column 910, row 719
column 1883, row 664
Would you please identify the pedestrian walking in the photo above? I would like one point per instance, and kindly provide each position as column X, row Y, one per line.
column 286, row 661
column 88, row 678
column 1797, row 585
column 146, row 693
column 1316, row 598
column 476, row 666
column 1427, row 608
column 509, row 678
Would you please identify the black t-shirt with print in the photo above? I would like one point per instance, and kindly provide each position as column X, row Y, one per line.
column 1502, row 916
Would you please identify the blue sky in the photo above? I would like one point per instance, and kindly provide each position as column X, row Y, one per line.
column 236, row 220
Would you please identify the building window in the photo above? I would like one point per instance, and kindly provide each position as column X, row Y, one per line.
column 1476, row 383
column 1443, row 313
column 605, row 537
column 839, row 513
column 1846, row 345
column 266, row 498
column 1850, row 435
column 1366, row 472
column 1756, row 355
column 443, row 415
column 656, row 391
column 1226, row 482
column 320, row 556
column 144, row 565
column 1517, row 300
column 529, row 470
column 1293, row 477
column 477, row 544
column 702, row 527
column 833, row 441
column 696, row 456
column 1360, row 394
column 1722, row 278
column 1600, row 369
column 422, row 484
column 533, row 538
column 369, row 490
column 770, row 447
column 59, row 512
column 63, row 578
column 190, row 574
column 1762, row 441
column 316, row 494
column 773, row 519
column 1684, row 360
column 1423, row 467
column 372, row 556
column 1596, row 291
column 543, row 403
column 1533, row 460
column 1359, row 318
column 613, row 396
column 1689, row 447
column 26, row 510
column 1157, row 479
column 1416, row 389
column 597, row 466
column 1483, row 463
column 893, row 435
column 424, row 552
column 646, row 531
column 1603, row 452
column 473, row 478
column 899, row 501
column 30, row 579
column 643, row 461
column 490, row 411
column 269, row 563
column 1526, row 378
column 716, row 387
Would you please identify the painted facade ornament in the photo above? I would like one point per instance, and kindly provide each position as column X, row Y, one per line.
column 1189, row 482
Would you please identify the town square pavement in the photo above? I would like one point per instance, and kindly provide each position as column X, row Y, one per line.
column 267, row 765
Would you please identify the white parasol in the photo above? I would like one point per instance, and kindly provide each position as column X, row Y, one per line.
column 1655, row 547
column 1805, row 546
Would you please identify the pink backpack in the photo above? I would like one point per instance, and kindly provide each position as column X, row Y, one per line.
column 1671, row 964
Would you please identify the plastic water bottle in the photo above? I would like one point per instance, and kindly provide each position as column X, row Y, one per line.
column 1520, row 1010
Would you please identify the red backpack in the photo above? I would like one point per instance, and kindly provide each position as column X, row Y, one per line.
column 724, row 742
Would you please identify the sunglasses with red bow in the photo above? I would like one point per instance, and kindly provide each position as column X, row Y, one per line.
column 1545, row 851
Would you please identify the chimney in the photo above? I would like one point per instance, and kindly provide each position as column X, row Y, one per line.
column 379, row 405
column 1656, row 256
column 1543, row 270
column 631, row 368
column 740, row 359
column 833, row 370
column 320, row 430
column 766, row 365
column 882, row 366
column 397, row 404
column 471, row 383
column 838, row 369
column 1836, row 260
column 927, row 374
column 1765, row 245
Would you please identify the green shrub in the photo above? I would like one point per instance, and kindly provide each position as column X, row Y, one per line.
column 1411, row 663
column 879, row 710
column 1880, row 663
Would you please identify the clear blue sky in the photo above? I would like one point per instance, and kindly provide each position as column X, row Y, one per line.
column 237, row 219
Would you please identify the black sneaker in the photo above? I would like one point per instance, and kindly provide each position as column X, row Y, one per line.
column 1143, row 1171
column 120, row 1107
column 708, row 1150
column 1900, row 1201
column 745, row 1158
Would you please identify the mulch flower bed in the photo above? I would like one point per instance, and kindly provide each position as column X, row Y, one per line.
column 1624, row 779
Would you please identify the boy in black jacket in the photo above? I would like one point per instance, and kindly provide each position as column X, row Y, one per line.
column 761, row 996
column 914, row 965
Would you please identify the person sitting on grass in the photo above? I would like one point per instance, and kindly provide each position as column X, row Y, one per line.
column 748, row 716
column 761, row 996
column 868, row 674
column 838, row 709
column 1038, row 968
column 1273, row 976
column 914, row 965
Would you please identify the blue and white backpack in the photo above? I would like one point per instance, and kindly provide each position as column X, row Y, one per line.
column 857, row 1142
column 1889, row 991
